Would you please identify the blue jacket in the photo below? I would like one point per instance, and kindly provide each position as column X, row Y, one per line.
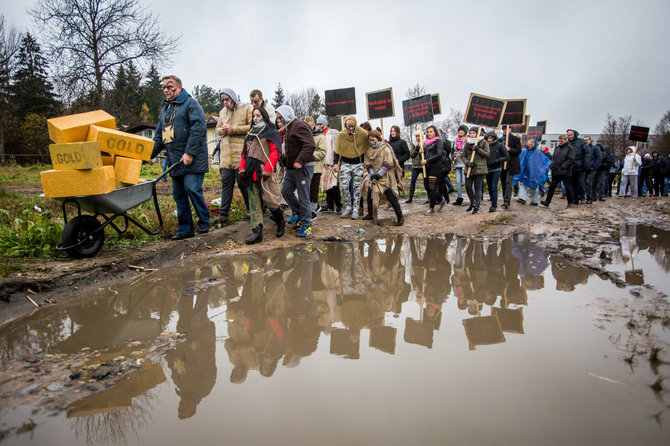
column 190, row 134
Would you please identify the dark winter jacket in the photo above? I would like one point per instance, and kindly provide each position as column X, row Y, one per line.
column 656, row 164
column 482, row 152
column 446, row 156
column 299, row 144
column 498, row 154
column 582, row 152
column 564, row 159
column 665, row 166
column 607, row 160
column 400, row 149
column 433, row 153
column 514, row 144
column 595, row 157
column 645, row 170
column 190, row 134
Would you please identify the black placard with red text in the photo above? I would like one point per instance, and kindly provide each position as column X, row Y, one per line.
column 484, row 110
column 639, row 134
column 380, row 104
column 418, row 110
column 341, row 102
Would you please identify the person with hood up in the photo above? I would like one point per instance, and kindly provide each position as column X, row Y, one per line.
column 657, row 179
column 459, row 166
column 476, row 166
column 182, row 133
column 513, row 145
column 606, row 164
column 644, row 176
column 319, row 155
column 299, row 155
column 582, row 160
column 329, row 179
column 433, row 150
column 380, row 163
column 630, row 166
column 592, row 170
column 416, row 163
column 233, row 125
column 258, row 172
column 350, row 147
column 400, row 147
column 561, row 170
column 534, row 167
column 497, row 158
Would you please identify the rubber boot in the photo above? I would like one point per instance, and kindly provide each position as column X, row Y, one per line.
column 256, row 235
column 278, row 215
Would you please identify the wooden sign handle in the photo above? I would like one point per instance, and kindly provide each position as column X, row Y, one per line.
column 472, row 157
column 505, row 164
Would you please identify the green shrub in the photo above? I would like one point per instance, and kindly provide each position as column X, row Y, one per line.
column 24, row 236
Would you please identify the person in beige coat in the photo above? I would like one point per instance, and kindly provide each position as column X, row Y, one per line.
column 234, row 123
column 319, row 155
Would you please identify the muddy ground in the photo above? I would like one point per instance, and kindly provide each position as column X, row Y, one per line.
column 586, row 235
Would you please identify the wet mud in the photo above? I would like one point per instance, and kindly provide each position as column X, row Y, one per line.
column 387, row 338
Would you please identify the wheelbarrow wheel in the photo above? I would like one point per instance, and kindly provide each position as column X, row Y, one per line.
column 83, row 237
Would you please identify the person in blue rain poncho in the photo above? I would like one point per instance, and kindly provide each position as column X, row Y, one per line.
column 534, row 168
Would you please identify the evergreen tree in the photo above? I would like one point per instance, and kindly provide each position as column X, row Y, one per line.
column 31, row 91
column 208, row 99
column 279, row 98
column 152, row 95
column 125, row 100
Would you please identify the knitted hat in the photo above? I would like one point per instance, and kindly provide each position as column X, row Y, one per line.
column 322, row 120
column 474, row 128
column 463, row 127
column 286, row 112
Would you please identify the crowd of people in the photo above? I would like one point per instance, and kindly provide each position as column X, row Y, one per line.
column 279, row 159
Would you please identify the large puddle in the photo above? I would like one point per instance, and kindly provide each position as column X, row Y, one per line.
column 391, row 341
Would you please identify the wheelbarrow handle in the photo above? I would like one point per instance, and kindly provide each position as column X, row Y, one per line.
column 168, row 170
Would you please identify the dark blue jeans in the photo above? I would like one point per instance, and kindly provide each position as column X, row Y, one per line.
column 187, row 191
column 492, row 179
column 578, row 185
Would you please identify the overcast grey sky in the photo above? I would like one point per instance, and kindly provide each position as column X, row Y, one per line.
column 575, row 61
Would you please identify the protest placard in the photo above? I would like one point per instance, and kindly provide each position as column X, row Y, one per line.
column 638, row 134
column 484, row 110
column 341, row 102
column 417, row 110
column 515, row 112
column 380, row 104
column 437, row 108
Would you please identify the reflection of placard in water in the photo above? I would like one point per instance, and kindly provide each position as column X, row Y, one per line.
column 484, row 330
column 511, row 320
column 417, row 332
column 342, row 345
column 383, row 338
column 635, row 277
column 119, row 397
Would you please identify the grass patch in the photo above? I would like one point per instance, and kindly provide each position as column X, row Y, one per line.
column 22, row 176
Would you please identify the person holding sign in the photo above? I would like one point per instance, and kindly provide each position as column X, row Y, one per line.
column 350, row 147
column 399, row 146
column 476, row 153
column 497, row 158
column 629, row 173
column 384, row 175
column 433, row 151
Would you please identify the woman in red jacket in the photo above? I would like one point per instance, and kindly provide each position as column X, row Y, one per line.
column 258, row 172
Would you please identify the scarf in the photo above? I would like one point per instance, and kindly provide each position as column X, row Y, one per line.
column 458, row 143
column 262, row 131
column 430, row 141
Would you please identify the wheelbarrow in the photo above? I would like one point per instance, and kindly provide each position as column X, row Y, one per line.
column 84, row 235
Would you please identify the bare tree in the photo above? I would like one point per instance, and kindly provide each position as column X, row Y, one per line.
column 10, row 41
column 615, row 134
column 306, row 103
column 451, row 123
column 660, row 139
column 90, row 39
